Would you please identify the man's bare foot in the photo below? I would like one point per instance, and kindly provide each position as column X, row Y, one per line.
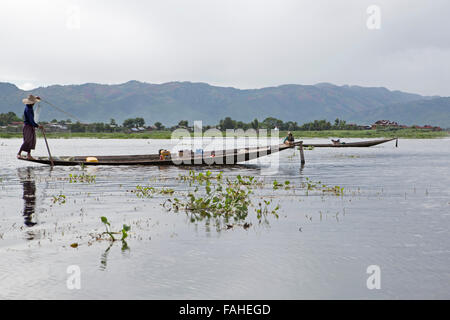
column 19, row 156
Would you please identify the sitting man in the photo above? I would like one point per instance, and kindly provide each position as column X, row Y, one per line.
column 289, row 139
column 336, row 142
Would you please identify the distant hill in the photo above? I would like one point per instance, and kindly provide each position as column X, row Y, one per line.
column 434, row 111
column 174, row 101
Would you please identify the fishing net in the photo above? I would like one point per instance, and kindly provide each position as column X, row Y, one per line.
column 37, row 112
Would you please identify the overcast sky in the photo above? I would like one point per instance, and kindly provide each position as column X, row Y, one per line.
column 238, row 43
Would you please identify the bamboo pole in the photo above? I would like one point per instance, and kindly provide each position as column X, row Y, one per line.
column 302, row 155
column 48, row 149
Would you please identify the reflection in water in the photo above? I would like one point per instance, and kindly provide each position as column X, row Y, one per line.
column 104, row 257
column 29, row 195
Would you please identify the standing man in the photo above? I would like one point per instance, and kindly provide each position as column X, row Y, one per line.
column 29, row 128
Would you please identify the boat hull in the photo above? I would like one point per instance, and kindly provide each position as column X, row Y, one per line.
column 226, row 157
column 360, row 144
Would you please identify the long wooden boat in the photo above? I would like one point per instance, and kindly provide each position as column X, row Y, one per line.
column 359, row 144
column 222, row 157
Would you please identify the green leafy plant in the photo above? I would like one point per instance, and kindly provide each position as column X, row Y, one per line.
column 218, row 200
column 148, row 192
column 319, row 186
column 200, row 178
column 74, row 178
column 60, row 199
column 124, row 231
column 285, row 185
column 263, row 211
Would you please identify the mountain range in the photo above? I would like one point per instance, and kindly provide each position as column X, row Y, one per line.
column 171, row 102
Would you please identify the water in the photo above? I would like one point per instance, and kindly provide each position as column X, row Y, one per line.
column 395, row 213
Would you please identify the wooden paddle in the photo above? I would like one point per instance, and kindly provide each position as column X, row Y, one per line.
column 48, row 149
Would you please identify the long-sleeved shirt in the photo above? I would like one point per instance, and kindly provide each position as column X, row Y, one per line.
column 288, row 138
column 28, row 116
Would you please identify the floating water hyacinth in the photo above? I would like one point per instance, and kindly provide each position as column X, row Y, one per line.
column 124, row 231
column 60, row 199
column 74, row 178
column 223, row 201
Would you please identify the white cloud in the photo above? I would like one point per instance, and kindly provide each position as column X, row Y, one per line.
column 26, row 86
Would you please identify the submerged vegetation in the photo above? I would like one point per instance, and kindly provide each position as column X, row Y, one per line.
column 310, row 185
column 285, row 185
column 213, row 198
column 74, row 178
column 199, row 178
column 222, row 201
column 60, row 199
column 148, row 192
column 229, row 201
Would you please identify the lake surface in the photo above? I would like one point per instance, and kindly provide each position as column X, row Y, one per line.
column 394, row 213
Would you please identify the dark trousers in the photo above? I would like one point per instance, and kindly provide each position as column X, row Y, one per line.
column 29, row 138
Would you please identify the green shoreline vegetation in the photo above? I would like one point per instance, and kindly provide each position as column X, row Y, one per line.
column 11, row 127
column 159, row 134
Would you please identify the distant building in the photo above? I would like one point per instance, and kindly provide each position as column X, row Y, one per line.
column 428, row 127
column 135, row 130
column 55, row 127
column 393, row 124
column 384, row 124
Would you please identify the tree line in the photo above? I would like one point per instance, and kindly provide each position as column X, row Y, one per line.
column 224, row 124
column 271, row 123
column 7, row 118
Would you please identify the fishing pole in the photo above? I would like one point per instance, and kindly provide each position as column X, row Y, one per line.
column 61, row 110
column 48, row 149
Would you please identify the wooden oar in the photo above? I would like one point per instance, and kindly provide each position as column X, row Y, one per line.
column 48, row 149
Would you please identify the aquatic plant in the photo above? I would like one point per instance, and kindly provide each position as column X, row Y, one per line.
column 264, row 211
column 124, row 231
column 200, row 177
column 336, row 190
column 277, row 185
column 221, row 201
column 247, row 181
column 74, row 178
column 148, row 192
column 319, row 186
column 60, row 199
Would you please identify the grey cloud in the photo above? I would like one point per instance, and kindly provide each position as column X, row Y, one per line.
column 245, row 44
